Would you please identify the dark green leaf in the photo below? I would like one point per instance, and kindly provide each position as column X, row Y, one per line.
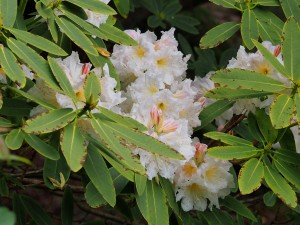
column 7, row 217
column 95, row 6
column 67, row 207
column 14, row 139
column 265, row 126
column 270, row 199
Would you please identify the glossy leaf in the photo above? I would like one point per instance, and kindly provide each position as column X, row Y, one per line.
column 67, row 207
column 250, row 176
column 95, row 6
column 280, row 187
column 14, row 139
column 50, row 121
column 227, row 139
column 92, row 89
column 98, row 172
column 219, row 34
column 38, row 41
column 11, row 68
column 42, row 147
column 281, row 112
column 233, row 152
column 8, row 12
column 73, row 146
column 249, row 28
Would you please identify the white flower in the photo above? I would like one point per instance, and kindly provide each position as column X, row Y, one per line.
column 96, row 18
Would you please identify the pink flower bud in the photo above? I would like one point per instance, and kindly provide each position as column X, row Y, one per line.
column 201, row 149
column 277, row 50
column 86, row 68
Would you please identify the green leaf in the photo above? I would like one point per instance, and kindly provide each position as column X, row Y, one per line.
column 153, row 204
column 290, row 48
column 36, row 212
column 124, row 120
column 6, row 123
column 185, row 23
column 209, row 113
column 249, row 28
column 217, row 217
column 50, row 121
column 123, row 7
column 19, row 210
column 167, row 187
column 35, row 62
column 116, row 35
column 270, row 199
column 245, row 79
column 291, row 8
column 233, row 152
column 228, row 93
column 288, row 156
column 95, row 6
column 281, row 112
column 250, row 176
column 265, row 126
column 76, row 35
column 4, row 191
column 238, row 207
column 297, row 103
column 271, row 58
column 289, row 172
column 11, row 68
column 280, row 187
column 38, row 41
column 219, row 34
column 92, row 89
column 140, row 183
column 53, row 29
column 266, row 2
column 227, row 139
column 154, row 21
column 253, row 128
column 8, row 12
column 225, row 3
column 14, row 139
column 73, row 146
column 7, row 217
column 98, row 172
column 61, row 77
column 142, row 140
column 15, row 107
column 67, row 207
column 41, row 147
column 20, row 22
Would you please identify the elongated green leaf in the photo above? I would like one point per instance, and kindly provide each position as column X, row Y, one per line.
column 289, row 172
column 41, row 147
column 271, row 58
column 14, row 139
column 228, row 93
column 38, row 41
column 233, row 152
column 250, row 176
column 270, row 18
column 142, row 140
column 36, row 212
column 123, row 7
column 7, row 217
column 6, row 123
column 270, row 199
column 228, row 139
column 50, row 121
column 217, row 217
column 280, row 187
column 291, row 8
column 238, row 207
column 73, row 146
column 53, row 29
column 219, row 34
column 114, row 144
column 249, row 28
column 226, row 3
column 116, row 35
column 290, row 48
column 76, row 35
column 288, row 156
column 19, row 210
column 92, row 89
column 185, row 23
column 35, row 62
column 266, row 2
column 167, row 187
column 8, row 12
column 61, row 77
column 245, row 79
column 265, row 126
column 98, row 172
column 281, row 112
column 126, row 121
column 140, row 183
column 95, row 6
column 67, row 207
column 15, row 107
column 268, row 32
column 209, row 113
column 4, row 191
column 11, row 68
column 153, row 204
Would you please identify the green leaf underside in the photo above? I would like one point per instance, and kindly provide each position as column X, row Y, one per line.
column 228, row 93
column 250, row 176
column 281, row 112
column 73, row 146
column 249, row 28
column 245, row 79
column 280, row 187
column 11, row 68
column 233, row 152
column 227, row 139
column 50, row 121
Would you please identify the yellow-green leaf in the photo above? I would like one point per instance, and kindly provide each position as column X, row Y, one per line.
column 14, row 139
column 233, row 152
column 94, row 5
column 92, row 89
column 249, row 28
column 8, row 12
column 228, row 139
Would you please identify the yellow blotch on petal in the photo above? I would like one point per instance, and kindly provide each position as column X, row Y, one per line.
column 211, row 173
column 162, row 106
column 161, row 62
column 264, row 69
column 189, row 169
column 140, row 52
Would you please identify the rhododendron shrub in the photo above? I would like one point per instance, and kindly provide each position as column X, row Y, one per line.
column 111, row 123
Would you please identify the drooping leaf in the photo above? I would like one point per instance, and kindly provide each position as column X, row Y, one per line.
column 140, row 183
column 14, row 139
column 282, row 110
column 8, row 12
column 280, row 187
column 11, row 68
column 227, row 139
column 73, row 146
column 219, row 34
column 250, row 176
column 95, row 6
column 249, row 28
column 67, row 207
column 233, row 152
column 50, row 121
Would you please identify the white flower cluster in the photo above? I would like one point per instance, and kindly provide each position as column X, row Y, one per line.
column 96, row 18
column 159, row 96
